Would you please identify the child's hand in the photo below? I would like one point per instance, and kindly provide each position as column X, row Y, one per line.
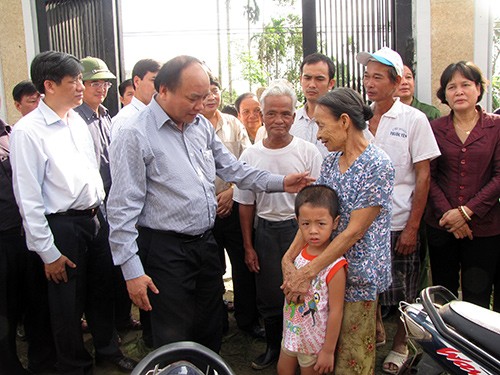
column 324, row 364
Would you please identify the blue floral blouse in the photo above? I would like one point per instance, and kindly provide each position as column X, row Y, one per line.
column 368, row 182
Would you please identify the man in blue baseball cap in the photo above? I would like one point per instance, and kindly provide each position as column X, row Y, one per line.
column 404, row 133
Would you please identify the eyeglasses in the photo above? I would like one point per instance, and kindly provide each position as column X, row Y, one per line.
column 101, row 85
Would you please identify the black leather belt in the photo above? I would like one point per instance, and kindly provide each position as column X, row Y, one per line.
column 91, row 212
column 180, row 236
column 184, row 237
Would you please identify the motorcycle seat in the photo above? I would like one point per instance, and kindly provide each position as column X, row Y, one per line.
column 476, row 324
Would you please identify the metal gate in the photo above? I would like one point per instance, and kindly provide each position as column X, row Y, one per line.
column 345, row 27
column 84, row 28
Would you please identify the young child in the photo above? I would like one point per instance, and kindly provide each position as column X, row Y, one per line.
column 311, row 328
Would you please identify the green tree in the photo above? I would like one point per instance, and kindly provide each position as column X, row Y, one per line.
column 276, row 52
column 495, row 80
column 253, row 71
column 279, row 47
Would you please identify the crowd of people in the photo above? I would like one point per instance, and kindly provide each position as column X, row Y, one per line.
column 329, row 211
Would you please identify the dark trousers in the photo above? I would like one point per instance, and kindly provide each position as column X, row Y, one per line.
column 474, row 263
column 84, row 240
column 188, row 275
column 23, row 293
column 227, row 233
column 123, row 304
column 272, row 240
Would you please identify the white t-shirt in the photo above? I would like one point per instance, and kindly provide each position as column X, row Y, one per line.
column 298, row 156
column 405, row 134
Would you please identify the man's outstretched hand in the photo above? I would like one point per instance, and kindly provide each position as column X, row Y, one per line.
column 295, row 182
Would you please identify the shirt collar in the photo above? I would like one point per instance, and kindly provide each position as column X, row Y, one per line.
column 89, row 112
column 51, row 117
column 159, row 114
column 482, row 124
column 137, row 103
column 395, row 109
column 48, row 114
column 301, row 113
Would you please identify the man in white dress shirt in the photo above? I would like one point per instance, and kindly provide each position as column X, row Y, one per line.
column 317, row 73
column 143, row 78
column 59, row 190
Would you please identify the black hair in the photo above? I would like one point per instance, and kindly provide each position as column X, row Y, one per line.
column 242, row 97
column 346, row 100
column 393, row 73
column 53, row 66
column 316, row 58
column 412, row 69
column 318, row 196
column 169, row 75
column 123, row 86
column 23, row 88
column 230, row 109
column 143, row 67
column 213, row 80
column 469, row 70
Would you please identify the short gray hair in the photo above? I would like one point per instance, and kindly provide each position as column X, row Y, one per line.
column 279, row 87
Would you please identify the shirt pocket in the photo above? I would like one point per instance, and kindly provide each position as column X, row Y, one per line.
column 396, row 147
column 207, row 164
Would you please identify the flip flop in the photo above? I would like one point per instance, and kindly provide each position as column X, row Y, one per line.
column 397, row 359
column 380, row 337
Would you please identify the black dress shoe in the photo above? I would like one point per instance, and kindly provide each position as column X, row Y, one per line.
column 122, row 363
column 266, row 359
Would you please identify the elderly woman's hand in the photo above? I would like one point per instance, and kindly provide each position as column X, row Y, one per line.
column 295, row 282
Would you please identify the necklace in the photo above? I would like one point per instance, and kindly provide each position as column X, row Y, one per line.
column 467, row 132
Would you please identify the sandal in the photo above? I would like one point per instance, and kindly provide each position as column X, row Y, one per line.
column 395, row 358
column 380, row 339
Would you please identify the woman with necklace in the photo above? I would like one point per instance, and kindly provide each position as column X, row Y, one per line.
column 463, row 213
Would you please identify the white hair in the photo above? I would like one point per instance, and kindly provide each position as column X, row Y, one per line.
column 279, row 87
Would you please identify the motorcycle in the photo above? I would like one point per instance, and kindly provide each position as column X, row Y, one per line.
column 457, row 337
column 182, row 358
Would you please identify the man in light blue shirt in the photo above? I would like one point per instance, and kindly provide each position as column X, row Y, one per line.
column 163, row 166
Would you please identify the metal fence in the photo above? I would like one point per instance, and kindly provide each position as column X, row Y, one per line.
column 83, row 28
column 346, row 27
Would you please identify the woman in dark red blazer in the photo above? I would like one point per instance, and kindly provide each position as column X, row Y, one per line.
column 463, row 213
